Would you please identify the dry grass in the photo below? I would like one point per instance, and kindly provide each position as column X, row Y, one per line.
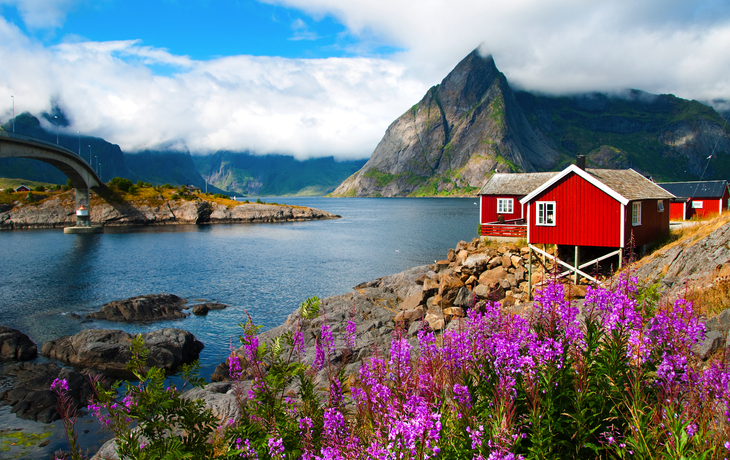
column 714, row 297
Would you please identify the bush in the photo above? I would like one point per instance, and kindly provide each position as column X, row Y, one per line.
column 39, row 188
column 258, row 201
column 121, row 183
column 69, row 184
column 221, row 196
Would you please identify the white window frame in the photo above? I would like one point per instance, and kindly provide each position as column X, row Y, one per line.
column 660, row 206
column 541, row 213
column 505, row 206
column 636, row 213
column 697, row 204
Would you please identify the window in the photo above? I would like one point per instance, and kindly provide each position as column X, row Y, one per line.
column 545, row 213
column 636, row 214
column 697, row 204
column 659, row 206
column 504, row 205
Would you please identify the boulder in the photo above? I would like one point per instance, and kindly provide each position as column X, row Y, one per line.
column 713, row 341
column 410, row 315
column 430, row 287
column 143, row 308
column 506, row 261
column 16, row 346
column 435, row 322
column 465, row 298
column 720, row 322
column 412, row 301
column 454, row 311
column 442, row 265
column 200, row 310
column 493, row 276
column 449, row 288
column 487, row 292
column 451, row 256
column 109, row 351
column 516, row 261
column 31, row 397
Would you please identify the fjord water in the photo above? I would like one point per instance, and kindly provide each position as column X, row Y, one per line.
column 264, row 270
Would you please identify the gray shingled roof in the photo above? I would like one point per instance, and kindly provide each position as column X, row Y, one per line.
column 626, row 182
column 515, row 183
column 705, row 189
column 630, row 184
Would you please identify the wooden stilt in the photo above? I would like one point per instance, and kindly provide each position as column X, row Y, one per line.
column 620, row 257
column 577, row 264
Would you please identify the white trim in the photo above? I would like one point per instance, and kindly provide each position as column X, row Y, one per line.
column 481, row 216
column 585, row 175
column 502, row 201
column 569, row 267
column 522, row 216
column 528, row 222
column 684, row 211
column 622, row 236
column 720, row 207
column 636, row 218
column 545, row 205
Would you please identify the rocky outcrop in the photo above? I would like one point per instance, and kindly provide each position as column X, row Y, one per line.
column 58, row 211
column 143, row 308
column 109, row 351
column 31, row 397
column 16, row 346
column 690, row 263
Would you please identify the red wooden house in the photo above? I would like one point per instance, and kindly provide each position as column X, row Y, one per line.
column 500, row 197
column 596, row 208
column 22, row 188
column 700, row 198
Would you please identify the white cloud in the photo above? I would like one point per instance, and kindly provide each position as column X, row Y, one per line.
column 41, row 14
column 674, row 46
column 304, row 107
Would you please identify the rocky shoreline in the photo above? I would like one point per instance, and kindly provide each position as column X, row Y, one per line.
column 58, row 211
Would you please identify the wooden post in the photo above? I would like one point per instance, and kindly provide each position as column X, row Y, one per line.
column 529, row 274
column 577, row 265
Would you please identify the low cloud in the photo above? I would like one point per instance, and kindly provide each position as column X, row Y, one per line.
column 303, row 107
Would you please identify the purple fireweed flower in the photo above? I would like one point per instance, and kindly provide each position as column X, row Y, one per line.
column 298, row 341
column 59, row 385
column 350, row 333
column 476, row 436
column 318, row 356
column 462, row 396
column 328, row 342
column 276, row 448
column 234, row 367
column 400, row 355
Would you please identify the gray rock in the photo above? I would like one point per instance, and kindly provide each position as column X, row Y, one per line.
column 16, row 346
column 143, row 308
column 713, row 341
column 109, row 350
column 31, row 397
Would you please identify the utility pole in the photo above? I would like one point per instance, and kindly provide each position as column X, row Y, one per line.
column 56, row 117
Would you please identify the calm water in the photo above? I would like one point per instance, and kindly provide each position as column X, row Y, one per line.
column 266, row 270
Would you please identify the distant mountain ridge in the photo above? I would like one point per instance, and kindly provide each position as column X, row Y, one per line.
column 237, row 173
column 473, row 124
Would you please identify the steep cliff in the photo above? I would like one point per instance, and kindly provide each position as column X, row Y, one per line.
column 461, row 130
column 473, row 124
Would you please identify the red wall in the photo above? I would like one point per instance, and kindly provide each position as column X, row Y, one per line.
column 710, row 206
column 489, row 208
column 654, row 224
column 585, row 215
column 676, row 211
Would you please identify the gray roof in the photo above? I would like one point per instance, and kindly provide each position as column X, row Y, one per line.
column 630, row 184
column 705, row 189
column 515, row 183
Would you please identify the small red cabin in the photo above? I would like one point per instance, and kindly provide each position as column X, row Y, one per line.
column 700, row 198
column 501, row 196
column 22, row 188
column 597, row 208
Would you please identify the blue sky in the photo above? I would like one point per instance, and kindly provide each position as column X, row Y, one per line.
column 327, row 77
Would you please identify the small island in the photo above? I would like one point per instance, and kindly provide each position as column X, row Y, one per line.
column 122, row 203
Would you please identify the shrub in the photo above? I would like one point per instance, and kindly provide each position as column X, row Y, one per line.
column 39, row 188
column 258, row 201
column 121, row 183
column 222, row 196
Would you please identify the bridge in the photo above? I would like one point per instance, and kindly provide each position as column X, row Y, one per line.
column 78, row 170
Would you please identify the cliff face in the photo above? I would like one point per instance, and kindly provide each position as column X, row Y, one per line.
column 473, row 123
column 463, row 128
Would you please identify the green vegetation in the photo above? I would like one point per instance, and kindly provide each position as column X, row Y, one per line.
column 17, row 444
column 121, row 183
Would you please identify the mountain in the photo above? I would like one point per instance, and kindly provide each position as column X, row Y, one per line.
column 274, row 175
column 474, row 124
column 231, row 172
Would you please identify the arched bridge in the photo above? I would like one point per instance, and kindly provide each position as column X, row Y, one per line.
column 80, row 173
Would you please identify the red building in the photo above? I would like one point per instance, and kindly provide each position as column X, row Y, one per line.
column 501, row 196
column 22, row 188
column 597, row 208
column 698, row 198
